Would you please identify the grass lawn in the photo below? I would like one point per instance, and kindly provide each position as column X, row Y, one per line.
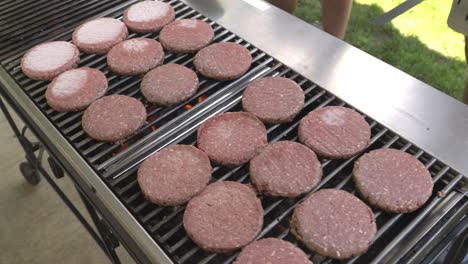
column 418, row 42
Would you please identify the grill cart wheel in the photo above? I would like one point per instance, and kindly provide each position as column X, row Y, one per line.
column 29, row 173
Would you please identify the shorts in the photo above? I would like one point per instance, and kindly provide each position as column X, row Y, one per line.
column 457, row 16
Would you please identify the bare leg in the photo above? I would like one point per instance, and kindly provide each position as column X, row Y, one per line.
column 335, row 16
column 465, row 96
column 287, row 5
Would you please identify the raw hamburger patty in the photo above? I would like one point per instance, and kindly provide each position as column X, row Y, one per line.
column 174, row 174
column 148, row 16
column 98, row 36
column 75, row 89
column 47, row 60
column 335, row 132
column 186, row 35
column 135, row 56
column 233, row 138
column 113, row 118
column 393, row 180
column 223, row 61
column 224, row 217
column 169, row 84
column 285, row 168
column 334, row 223
column 272, row 251
column 273, row 99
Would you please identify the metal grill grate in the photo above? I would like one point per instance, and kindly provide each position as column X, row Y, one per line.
column 160, row 119
column 28, row 23
column 165, row 223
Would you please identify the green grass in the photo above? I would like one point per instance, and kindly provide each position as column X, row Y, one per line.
column 419, row 42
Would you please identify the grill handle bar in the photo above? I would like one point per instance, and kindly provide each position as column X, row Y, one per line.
column 419, row 218
column 459, row 249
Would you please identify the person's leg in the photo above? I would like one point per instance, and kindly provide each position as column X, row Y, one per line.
column 335, row 16
column 287, row 5
column 465, row 96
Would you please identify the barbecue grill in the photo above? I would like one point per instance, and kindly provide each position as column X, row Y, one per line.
column 330, row 73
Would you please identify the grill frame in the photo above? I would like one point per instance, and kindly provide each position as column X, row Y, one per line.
column 126, row 225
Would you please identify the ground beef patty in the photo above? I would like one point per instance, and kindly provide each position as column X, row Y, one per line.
column 174, row 174
column 225, row 216
column 273, row 99
column 334, row 223
column 335, row 132
column 113, row 118
column 233, row 138
column 98, row 36
column 393, row 180
column 285, row 168
column 75, row 89
column 272, row 251
column 169, row 84
column 186, row 35
column 135, row 56
column 47, row 60
column 148, row 16
column 223, row 61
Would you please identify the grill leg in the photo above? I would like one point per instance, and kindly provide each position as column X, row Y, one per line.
column 109, row 240
column 27, row 168
column 33, row 168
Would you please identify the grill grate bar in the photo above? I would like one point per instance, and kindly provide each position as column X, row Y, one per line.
column 8, row 5
column 417, row 220
column 131, row 35
column 53, row 12
column 117, row 163
column 24, row 9
column 86, row 140
column 82, row 11
column 269, row 209
column 383, row 229
column 322, row 183
column 14, row 50
column 143, row 142
column 69, row 123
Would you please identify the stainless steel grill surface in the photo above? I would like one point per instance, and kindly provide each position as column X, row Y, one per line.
column 404, row 238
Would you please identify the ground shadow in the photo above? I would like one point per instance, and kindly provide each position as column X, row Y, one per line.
column 406, row 53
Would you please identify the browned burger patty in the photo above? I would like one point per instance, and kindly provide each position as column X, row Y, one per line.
column 186, row 35
column 47, row 60
column 75, row 89
column 223, row 61
column 223, row 217
column 135, row 56
column 272, row 251
column 393, row 180
column 169, row 84
column 285, row 168
column 335, row 132
column 113, row 118
column 334, row 223
column 98, row 36
column 148, row 16
column 174, row 174
column 273, row 99
column 232, row 138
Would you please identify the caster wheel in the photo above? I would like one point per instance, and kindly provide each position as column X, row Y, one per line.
column 56, row 169
column 29, row 173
